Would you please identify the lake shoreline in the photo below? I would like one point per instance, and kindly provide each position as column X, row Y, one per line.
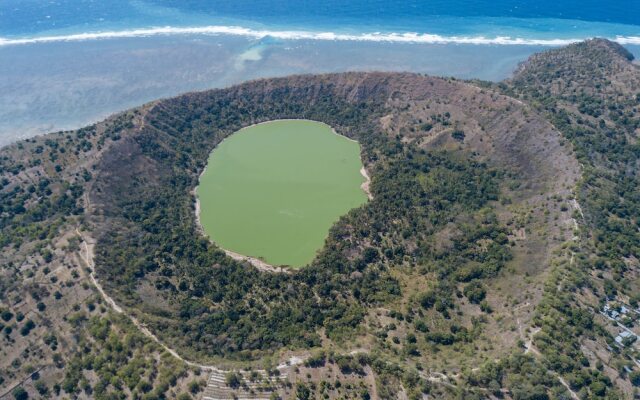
column 365, row 186
column 256, row 262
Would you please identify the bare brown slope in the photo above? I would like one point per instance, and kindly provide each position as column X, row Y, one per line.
column 590, row 92
column 579, row 68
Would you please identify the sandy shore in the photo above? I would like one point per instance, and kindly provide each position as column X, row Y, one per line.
column 256, row 262
column 367, row 183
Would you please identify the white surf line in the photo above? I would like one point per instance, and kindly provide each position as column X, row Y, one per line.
column 406, row 37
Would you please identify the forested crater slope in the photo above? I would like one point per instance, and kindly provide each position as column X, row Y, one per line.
column 151, row 255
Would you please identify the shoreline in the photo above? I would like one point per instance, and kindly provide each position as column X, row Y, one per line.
column 135, row 81
column 367, row 183
column 363, row 171
column 256, row 262
column 259, row 264
column 296, row 35
column 365, row 186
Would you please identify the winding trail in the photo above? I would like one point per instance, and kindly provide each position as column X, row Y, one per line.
column 573, row 394
column 529, row 345
column 87, row 257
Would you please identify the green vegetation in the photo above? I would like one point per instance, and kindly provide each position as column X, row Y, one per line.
column 153, row 237
column 598, row 119
column 422, row 280
column 273, row 190
column 20, row 394
column 121, row 358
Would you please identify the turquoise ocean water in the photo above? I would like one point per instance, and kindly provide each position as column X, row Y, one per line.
column 481, row 21
column 67, row 63
column 456, row 21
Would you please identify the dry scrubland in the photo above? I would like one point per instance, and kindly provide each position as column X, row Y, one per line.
column 501, row 222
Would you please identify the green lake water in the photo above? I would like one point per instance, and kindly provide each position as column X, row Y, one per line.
column 273, row 190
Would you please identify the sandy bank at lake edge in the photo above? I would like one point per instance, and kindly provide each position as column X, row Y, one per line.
column 256, row 262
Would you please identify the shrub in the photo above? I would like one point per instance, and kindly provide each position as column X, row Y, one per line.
column 6, row 315
column 20, row 394
column 27, row 327
column 458, row 135
column 233, row 380
column 428, row 299
column 634, row 377
column 41, row 387
column 195, row 386
column 475, row 292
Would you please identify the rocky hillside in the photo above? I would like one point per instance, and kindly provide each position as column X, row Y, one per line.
column 591, row 92
column 503, row 221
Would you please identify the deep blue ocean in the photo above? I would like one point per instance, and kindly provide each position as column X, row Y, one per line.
column 67, row 63
column 494, row 21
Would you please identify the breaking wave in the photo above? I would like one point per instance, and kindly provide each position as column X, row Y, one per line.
column 306, row 35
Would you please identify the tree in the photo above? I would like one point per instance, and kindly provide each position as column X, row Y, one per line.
column 475, row 292
column 233, row 380
column 634, row 377
column 370, row 255
column 428, row 299
column 458, row 135
column 27, row 327
column 598, row 388
column 302, row 392
column 41, row 387
column 6, row 315
column 195, row 385
column 20, row 394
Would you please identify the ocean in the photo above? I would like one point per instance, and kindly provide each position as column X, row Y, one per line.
column 545, row 22
column 66, row 63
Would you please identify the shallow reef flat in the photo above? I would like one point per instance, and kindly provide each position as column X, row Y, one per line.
column 65, row 85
